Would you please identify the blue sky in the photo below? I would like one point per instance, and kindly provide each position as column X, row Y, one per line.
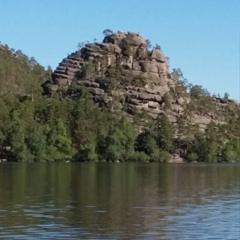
column 201, row 37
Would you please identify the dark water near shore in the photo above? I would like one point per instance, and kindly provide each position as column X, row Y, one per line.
column 119, row 201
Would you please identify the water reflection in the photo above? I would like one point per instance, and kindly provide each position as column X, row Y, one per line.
column 109, row 201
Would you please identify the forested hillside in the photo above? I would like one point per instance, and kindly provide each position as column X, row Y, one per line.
column 111, row 101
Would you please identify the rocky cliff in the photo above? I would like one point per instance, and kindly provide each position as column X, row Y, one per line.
column 123, row 74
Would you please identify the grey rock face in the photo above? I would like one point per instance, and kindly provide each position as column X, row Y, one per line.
column 141, row 78
column 121, row 69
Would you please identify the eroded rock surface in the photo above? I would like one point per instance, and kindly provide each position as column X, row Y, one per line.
column 123, row 63
column 121, row 69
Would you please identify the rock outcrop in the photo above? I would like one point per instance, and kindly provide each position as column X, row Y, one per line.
column 120, row 66
column 121, row 71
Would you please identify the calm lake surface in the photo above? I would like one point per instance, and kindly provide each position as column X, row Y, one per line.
column 119, row 201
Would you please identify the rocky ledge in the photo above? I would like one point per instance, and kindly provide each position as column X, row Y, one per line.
column 122, row 73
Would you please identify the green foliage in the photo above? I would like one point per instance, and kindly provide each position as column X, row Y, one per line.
column 201, row 100
column 140, row 156
column 119, row 142
column 183, row 85
column 83, row 118
column 199, row 148
column 164, row 133
column 212, row 143
column 231, row 151
column 54, row 128
column 19, row 74
column 164, row 156
column 87, row 152
column 35, row 140
column 114, row 74
column 208, row 147
column 16, row 137
column 58, row 143
column 192, row 157
column 198, row 91
column 88, row 70
column 126, row 46
column 157, row 141
column 107, row 32
column 150, row 147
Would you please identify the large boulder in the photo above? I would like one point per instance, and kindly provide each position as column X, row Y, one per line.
column 158, row 55
column 134, row 39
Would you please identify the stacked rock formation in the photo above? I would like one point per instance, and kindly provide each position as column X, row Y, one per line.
column 123, row 74
column 121, row 68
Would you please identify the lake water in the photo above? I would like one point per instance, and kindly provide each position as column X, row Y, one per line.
column 119, row 201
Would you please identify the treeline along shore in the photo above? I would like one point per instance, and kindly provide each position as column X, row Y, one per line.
column 114, row 101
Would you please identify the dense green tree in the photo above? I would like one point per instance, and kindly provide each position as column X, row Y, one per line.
column 87, row 152
column 16, row 137
column 36, row 141
column 88, row 70
column 148, row 142
column 212, row 143
column 83, row 127
column 164, row 133
column 150, row 146
column 200, row 148
column 68, row 125
column 119, row 142
column 198, row 91
column 59, row 146
column 231, row 151
column 19, row 74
